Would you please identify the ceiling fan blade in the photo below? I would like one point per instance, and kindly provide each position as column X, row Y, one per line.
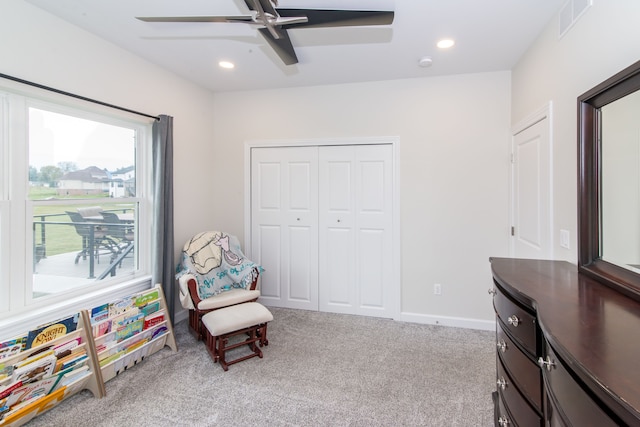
column 267, row 6
column 282, row 46
column 338, row 18
column 242, row 18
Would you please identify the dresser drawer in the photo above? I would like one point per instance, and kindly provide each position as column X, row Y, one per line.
column 519, row 322
column 503, row 418
column 525, row 372
column 519, row 410
column 568, row 399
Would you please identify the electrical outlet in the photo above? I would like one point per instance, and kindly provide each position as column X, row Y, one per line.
column 437, row 289
column 564, row 239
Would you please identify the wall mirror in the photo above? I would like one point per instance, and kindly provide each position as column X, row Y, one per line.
column 609, row 182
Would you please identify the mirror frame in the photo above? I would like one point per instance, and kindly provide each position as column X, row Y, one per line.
column 590, row 261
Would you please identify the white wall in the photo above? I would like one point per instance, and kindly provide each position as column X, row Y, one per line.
column 39, row 47
column 604, row 41
column 454, row 134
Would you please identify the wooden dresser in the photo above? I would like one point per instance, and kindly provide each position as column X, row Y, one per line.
column 568, row 347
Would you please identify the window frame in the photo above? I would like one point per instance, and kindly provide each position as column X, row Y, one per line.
column 18, row 307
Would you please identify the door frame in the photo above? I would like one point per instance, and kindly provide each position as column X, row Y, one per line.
column 319, row 142
column 545, row 112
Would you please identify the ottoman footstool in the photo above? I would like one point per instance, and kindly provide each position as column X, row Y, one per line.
column 249, row 318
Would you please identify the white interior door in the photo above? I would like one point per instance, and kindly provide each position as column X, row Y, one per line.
column 355, row 225
column 531, row 198
column 284, row 224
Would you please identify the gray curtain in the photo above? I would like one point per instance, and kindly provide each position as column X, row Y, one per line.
column 162, row 251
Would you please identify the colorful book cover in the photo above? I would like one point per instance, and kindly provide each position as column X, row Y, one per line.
column 35, row 370
column 142, row 300
column 66, row 347
column 123, row 318
column 9, row 389
column 129, row 330
column 99, row 313
column 31, row 391
column 51, row 331
column 120, row 306
column 78, row 354
column 102, row 328
column 150, row 308
column 12, row 347
column 159, row 332
column 153, row 320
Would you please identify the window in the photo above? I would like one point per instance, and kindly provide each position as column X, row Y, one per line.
column 74, row 201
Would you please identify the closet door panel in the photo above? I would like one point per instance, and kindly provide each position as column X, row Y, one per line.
column 284, row 184
column 374, row 204
column 372, row 254
column 337, row 256
column 355, row 229
column 270, row 258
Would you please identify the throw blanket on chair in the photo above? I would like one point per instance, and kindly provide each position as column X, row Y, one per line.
column 217, row 262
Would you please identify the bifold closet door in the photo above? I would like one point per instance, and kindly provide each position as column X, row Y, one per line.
column 355, row 226
column 284, row 224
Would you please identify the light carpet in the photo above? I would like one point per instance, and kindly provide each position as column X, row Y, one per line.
column 319, row 369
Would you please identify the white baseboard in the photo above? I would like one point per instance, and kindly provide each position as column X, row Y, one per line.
column 456, row 322
column 181, row 315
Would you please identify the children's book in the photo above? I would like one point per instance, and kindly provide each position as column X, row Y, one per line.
column 48, row 332
column 72, row 376
column 12, row 347
column 36, row 370
column 153, row 320
column 150, row 308
column 66, row 348
column 30, row 391
column 6, row 391
column 99, row 313
column 120, row 306
column 129, row 330
column 102, row 328
column 144, row 299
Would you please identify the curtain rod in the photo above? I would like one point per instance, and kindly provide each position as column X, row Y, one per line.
column 73, row 95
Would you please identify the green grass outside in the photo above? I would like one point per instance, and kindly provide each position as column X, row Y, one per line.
column 60, row 238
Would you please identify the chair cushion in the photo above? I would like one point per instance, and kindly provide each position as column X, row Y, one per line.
column 236, row 317
column 230, row 297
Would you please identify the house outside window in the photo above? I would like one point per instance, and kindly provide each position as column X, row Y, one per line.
column 74, row 201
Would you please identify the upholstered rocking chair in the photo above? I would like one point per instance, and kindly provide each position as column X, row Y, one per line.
column 214, row 273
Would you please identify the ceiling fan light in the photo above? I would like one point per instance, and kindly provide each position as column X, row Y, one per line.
column 446, row 43
column 226, row 64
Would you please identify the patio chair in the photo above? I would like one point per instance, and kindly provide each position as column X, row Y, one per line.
column 117, row 229
column 102, row 244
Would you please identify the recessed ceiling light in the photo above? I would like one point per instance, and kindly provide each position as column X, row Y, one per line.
column 226, row 64
column 445, row 43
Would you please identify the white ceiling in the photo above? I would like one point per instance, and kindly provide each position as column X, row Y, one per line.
column 491, row 35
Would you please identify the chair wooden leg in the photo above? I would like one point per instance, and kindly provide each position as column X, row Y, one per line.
column 218, row 346
column 262, row 333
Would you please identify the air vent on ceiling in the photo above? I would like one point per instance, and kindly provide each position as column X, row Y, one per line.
column 570, row 13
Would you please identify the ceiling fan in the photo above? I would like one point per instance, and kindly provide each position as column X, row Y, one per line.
column 274, row 22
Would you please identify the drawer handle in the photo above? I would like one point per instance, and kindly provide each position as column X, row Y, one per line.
column 502, row 346
column 548, row 364
column 503, row 421
column 492, row 291
column 513, row 320
column 501, row 383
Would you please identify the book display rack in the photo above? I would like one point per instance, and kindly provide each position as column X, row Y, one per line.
column 54, row 361
column 130, row 329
